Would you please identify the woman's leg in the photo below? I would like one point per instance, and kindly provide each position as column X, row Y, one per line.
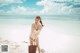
column 31, row 41
column 37, row 43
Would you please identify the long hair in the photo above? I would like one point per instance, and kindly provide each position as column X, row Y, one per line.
column 38, row 17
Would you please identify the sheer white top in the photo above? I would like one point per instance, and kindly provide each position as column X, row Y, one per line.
column 35, row 30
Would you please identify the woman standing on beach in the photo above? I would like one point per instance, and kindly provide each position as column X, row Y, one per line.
column 35, row 30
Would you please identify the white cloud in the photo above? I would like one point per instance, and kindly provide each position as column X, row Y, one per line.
column 41, row 2
column 10, row 1
column 6, row 2
column 50, row 7
column 20, row 10
column 66, row 10
column 77, row 0
column 76, row 10
column 2, row 12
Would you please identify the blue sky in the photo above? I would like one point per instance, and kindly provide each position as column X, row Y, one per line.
column 43, row 7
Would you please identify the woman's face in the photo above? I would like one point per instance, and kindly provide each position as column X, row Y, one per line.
column 37, row 20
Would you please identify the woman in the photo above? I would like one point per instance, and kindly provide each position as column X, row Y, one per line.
column 35, row 30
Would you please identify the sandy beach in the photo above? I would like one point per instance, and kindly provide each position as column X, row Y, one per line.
column 57, row 35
